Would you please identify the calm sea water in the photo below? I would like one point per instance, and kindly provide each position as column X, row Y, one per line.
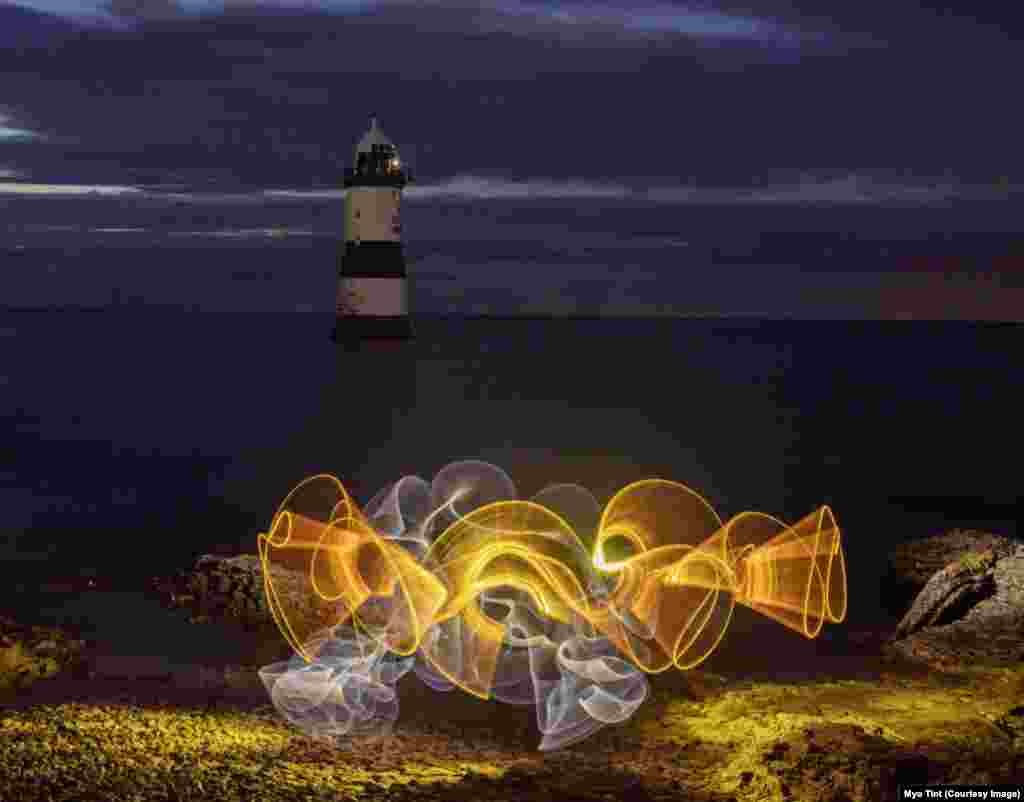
column 598, row 256
column 182, row 380
column 138, row 440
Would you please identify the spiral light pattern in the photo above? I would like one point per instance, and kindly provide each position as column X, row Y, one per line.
column 551, row 601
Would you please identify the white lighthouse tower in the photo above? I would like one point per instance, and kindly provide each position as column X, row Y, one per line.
column 373, row 296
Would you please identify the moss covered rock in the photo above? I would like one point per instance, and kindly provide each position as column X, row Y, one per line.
column 912, row 564
column 31, row 653
column 971, row 613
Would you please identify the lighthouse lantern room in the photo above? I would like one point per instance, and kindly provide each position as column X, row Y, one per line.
column 372, row 298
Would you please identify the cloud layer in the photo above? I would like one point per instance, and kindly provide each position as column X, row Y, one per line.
column 277, row 94
column 852, row 189
column 10, row 131
column 571, row 20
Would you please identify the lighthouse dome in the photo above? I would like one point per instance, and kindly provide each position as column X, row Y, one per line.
column 376, row 162
column 373, row 137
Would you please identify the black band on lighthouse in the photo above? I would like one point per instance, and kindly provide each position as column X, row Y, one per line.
column 373, row 260
column 377, row 327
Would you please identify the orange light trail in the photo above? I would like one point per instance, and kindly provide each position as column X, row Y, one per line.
column 551, row 601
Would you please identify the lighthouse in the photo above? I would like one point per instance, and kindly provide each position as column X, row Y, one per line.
column 373, row 295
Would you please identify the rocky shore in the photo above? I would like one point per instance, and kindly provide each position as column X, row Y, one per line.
column 841, row 719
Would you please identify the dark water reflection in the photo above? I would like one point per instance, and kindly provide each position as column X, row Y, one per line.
column 142, row 439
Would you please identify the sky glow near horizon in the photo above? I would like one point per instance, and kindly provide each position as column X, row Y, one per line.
column 852, row 189
column 10, row 131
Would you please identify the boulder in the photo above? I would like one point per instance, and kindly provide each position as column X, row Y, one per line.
column 950, row 593
column 231, row 590
column 970, row 613
column 912, row 564
column 30, row 653
column 222, row 588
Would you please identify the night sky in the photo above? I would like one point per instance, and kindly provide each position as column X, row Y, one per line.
column 246, row 115
column 772, row 95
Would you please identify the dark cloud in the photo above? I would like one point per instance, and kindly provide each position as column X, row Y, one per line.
column 278, row 97
column 143, row 9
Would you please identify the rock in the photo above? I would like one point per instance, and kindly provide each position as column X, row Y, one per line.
column 949, row 594
column 231, row 589
column 29, row 653
column 971, row 613
column 912, row 564
column 218, row 588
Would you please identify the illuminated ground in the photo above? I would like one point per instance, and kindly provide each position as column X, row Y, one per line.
column 835, row 736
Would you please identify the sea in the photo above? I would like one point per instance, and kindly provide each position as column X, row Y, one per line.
column 167, row 376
